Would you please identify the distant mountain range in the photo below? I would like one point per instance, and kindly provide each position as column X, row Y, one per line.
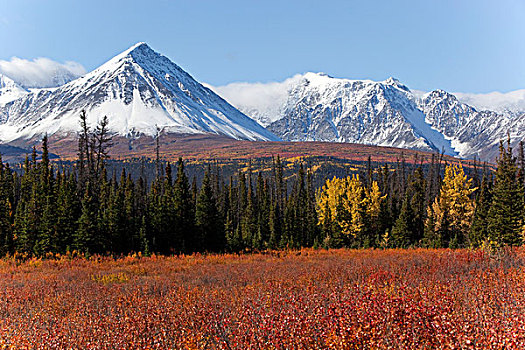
column 143, row 92
column 317, row 107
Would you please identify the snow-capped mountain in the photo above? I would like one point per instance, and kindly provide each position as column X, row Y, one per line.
column 142, row 91
column 315, row 106
column 139, row 90
column 318, row 107
column 473, row 133
column 9, row 90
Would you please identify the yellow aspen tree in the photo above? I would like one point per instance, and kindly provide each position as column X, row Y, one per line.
column 328, row 199
column 344, row 202
column 452, row 211
column 373, row 201
column 353, row 204
column 374, row 204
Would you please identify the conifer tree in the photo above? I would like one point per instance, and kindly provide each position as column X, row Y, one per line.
column 87, row 238
column 131, row 218
column 505, row 216
column 313, row 232
column 417, row 191
column 231, row 225
column 112, row 217
column 402, row 231
column 409, row 227
column 6, row 210
column 248, row 223
column 68, row 208
column 263, row 213
column 155, row 215
column 479, row 231
column 207, row 219
column 275, row 225
column 184, row 212
column 46, row 238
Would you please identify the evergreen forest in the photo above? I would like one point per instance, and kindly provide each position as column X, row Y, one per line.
column 47, row 209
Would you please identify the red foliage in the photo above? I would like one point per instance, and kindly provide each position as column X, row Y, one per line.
column 342, row 299
column 221, row 148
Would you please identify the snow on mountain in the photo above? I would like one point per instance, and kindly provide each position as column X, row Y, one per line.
column 473, row 133
column 9, row 90
column 445, row 112
column 315, row 106
column 139, row 90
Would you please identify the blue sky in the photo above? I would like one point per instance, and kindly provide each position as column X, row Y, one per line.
column 461, row 45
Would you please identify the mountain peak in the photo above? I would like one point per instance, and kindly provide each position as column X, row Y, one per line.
column 440, row 93
column 5, row 81
column 138, row 59
column 139, row 44
column 141, row 49
column 395, row 82
column 10, row 90
column 392, row 81
column 138, row 47
column 135, row 52
column 314, row 75
column 138, row 90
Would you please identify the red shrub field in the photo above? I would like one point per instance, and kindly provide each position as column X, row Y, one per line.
column 309, row 299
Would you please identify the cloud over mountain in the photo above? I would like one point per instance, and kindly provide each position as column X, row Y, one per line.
column 40, row 72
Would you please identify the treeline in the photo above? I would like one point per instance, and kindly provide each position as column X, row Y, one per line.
column 392, row 209
column 49, row 210
column 46, row 210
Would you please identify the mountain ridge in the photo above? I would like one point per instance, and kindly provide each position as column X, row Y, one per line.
column 317, row 107
column 140, row 91
column 10, row 90
column 143, row 93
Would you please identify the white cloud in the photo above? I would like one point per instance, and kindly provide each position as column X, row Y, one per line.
column 261, row 101
column 513, row 101
column 41, row 72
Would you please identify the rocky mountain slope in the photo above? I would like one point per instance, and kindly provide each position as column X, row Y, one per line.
column 317, row 107
column 140, row 91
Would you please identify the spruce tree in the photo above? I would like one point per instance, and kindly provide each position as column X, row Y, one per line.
column 87, row 238
column 207, row 220
column 275, row 226
column 505, row 216
column 68, row 208
column 6, row 208
column 479, row 231
column 184, row 211
column 402, row 231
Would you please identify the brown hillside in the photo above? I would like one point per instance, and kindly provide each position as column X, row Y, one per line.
column 206, row 147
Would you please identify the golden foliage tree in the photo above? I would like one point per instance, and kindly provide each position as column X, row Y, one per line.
column 373, row 201
column 450, row 216
column 346, row 204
